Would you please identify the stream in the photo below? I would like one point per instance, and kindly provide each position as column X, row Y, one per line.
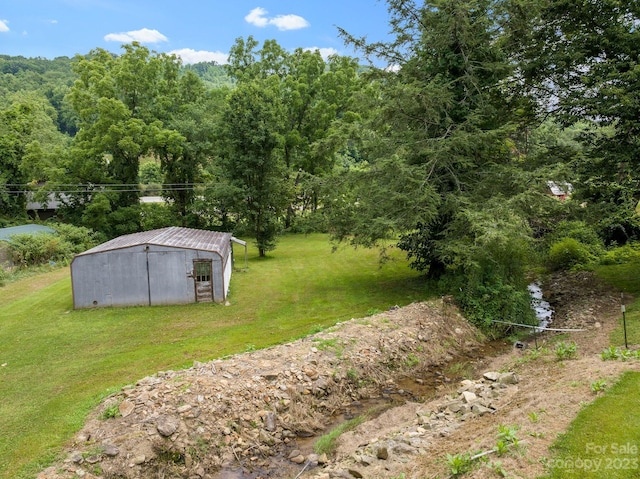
column 418, row 389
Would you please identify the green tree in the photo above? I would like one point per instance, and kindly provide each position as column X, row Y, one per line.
column 582, row 58
column 440, row 156
column 29, row 149
column 131, row 106
column 253, row 167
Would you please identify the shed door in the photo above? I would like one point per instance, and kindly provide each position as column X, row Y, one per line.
column 202, row 273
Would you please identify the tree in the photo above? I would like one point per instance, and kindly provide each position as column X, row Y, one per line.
column 582, row 58
column 439, row 151
column 251, row 133
column 316, row 97
column 130, row 106
column 29, row 149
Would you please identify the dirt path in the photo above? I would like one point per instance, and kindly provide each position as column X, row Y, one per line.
column 250, row 416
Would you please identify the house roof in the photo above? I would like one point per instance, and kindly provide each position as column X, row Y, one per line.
column 173, row 236
column 560, row 189
column 6, row 233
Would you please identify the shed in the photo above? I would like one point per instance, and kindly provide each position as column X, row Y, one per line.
column 171, row 265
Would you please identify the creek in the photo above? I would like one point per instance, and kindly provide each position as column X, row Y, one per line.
column 420, row 387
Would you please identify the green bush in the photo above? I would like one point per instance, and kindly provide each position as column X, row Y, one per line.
column 34, row 249
column 628, row 253
column 568, row 253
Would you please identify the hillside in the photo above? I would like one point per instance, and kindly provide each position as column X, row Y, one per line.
column 255, row 414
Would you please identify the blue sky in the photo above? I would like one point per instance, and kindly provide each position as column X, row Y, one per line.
column 196, row 30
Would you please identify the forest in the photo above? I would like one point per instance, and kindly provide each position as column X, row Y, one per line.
column 448, row 153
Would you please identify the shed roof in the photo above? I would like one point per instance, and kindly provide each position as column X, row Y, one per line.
column 173, row 236
column 6, row 233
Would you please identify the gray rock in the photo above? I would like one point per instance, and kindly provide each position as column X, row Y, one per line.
column 492, row 376
column 167, row 425
column 508, row 378
column 355, row 473
column 110, row 450
column 270, row 421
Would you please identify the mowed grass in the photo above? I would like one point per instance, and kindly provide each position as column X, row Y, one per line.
column 604, row 440
column 57, row 363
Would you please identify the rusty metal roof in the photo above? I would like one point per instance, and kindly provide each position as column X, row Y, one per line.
column 173, row 236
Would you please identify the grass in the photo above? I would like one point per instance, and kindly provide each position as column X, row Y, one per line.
column 625, row 277
column 604, row 440
column 57, row 363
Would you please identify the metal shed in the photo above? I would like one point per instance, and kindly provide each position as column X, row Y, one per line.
column 165, row 266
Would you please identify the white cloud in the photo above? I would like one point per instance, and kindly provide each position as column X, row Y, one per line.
column 258, row 17
column 190, row 56
column 3, row 26
column 325, row 53
column 143, row 36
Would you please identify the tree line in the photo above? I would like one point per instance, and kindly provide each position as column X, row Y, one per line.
column 448, row 152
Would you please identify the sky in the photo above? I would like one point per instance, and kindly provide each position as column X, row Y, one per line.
column 195, row 30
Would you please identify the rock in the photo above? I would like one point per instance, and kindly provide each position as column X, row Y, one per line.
column 126, row 407
column 492, row 376
column 76, row 457
column 367, row 460
column 266, row 438
column 110, row 450
column 355, row 473
column 294, row 453
column 167, row 425
column 270, row 421
column 508, row 378
column 382, row 453
column 136, row 461
column 184, row 408
column 299, row 459
column 480, row 410
column 469, row 397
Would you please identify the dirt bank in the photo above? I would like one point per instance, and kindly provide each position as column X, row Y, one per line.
column 254, row 415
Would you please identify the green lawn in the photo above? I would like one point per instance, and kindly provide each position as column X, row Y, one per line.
column 604, row 440
column 57, row 363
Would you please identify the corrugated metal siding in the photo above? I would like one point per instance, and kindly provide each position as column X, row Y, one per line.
column 126, row 272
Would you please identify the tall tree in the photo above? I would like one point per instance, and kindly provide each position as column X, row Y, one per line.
column 129, row 106
column 440, row 150
column 29, row 149
column 251, row 135
column 582, row 58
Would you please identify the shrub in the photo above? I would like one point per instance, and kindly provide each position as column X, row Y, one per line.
column 568, row 253
column 628, row 253
column 34, row 249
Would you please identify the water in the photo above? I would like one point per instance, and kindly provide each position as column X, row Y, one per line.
column 544, row 311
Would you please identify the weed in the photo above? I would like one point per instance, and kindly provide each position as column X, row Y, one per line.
column 352, row 375
column 565, row 350
column 534, row 417
column 372, row 311
column 111, row 412
column 327, row 444
column 461, row 369
column 412, row 360
column 249, row 348
column 610, row 354
column 316, row 329
column 459, row 463
column 598, row 386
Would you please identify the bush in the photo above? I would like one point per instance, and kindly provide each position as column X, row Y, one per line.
column 628, row 253
column 568, row 253
column 34, row 249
